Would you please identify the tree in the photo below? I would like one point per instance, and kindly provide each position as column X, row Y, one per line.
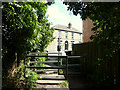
column 105, row 17
column 25, row 29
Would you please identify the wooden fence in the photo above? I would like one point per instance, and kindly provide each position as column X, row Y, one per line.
column 107, row 73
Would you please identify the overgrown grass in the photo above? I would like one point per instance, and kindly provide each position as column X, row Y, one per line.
column 65, row 83
column 31, row 75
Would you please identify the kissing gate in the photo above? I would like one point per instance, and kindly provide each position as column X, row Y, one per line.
column 58, row 61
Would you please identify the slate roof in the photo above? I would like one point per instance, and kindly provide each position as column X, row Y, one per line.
column 65, row 28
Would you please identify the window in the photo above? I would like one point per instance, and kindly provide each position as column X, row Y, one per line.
column 72, row 35
column 66, row 45
column 66, row 34
column 59, row 34
column 80, row 36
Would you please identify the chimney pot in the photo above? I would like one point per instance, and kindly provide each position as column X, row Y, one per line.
column 69, row 25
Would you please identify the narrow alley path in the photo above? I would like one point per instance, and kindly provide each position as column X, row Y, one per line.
column 79, row 82
column 50, row 78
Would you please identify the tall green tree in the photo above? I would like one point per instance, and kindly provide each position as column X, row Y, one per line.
column 105, row 17
column 25, row 29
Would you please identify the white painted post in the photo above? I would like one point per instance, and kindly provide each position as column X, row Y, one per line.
column 61, row 60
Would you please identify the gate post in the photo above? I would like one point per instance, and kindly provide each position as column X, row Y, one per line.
column 67, row 67
column 61, row 60
column 58, row 65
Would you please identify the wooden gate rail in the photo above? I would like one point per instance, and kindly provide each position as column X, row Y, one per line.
column 53, row 67
column 46, row 56
column 43, row 61
column 43, row 53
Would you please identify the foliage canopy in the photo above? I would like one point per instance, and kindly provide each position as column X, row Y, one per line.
column 105, row 17
column 25, row 29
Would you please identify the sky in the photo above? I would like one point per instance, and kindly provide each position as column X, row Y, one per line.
column 58, row 14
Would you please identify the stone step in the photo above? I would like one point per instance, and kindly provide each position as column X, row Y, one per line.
column 50, row 61
column 46, row 70
column 50, row 87
column 49, row 81
column 53, row 67
column 52, row 77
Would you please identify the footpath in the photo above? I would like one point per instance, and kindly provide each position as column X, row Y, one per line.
column 51, row 81
column 79, row 82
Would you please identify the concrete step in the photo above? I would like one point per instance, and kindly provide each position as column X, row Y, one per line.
column 52, row 77
column 51, row 72
column 46, row 70
column 50, row 87
column 49, row 82
column 53, row 67
column 50, row 61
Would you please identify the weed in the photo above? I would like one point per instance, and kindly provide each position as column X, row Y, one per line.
column 65, row 83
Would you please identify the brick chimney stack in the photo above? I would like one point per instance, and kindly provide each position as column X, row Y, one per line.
column 69, row 25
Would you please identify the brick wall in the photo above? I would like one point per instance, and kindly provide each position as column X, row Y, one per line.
column 87, row 26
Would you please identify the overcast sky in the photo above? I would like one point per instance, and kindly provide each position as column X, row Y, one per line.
column 58, row 14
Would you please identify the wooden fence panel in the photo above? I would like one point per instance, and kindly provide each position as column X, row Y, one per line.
column 107, row 72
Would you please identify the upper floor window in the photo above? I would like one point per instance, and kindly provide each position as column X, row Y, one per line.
column 59, row 34
column 66, row 34
column 80, row 36
column 72, row 35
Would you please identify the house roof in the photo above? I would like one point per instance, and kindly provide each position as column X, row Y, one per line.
column 65, row 28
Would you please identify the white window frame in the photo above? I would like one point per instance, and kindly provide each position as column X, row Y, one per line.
column 66, row 34
column 59, row 34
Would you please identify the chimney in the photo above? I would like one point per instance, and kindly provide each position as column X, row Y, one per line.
column 69, row 25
